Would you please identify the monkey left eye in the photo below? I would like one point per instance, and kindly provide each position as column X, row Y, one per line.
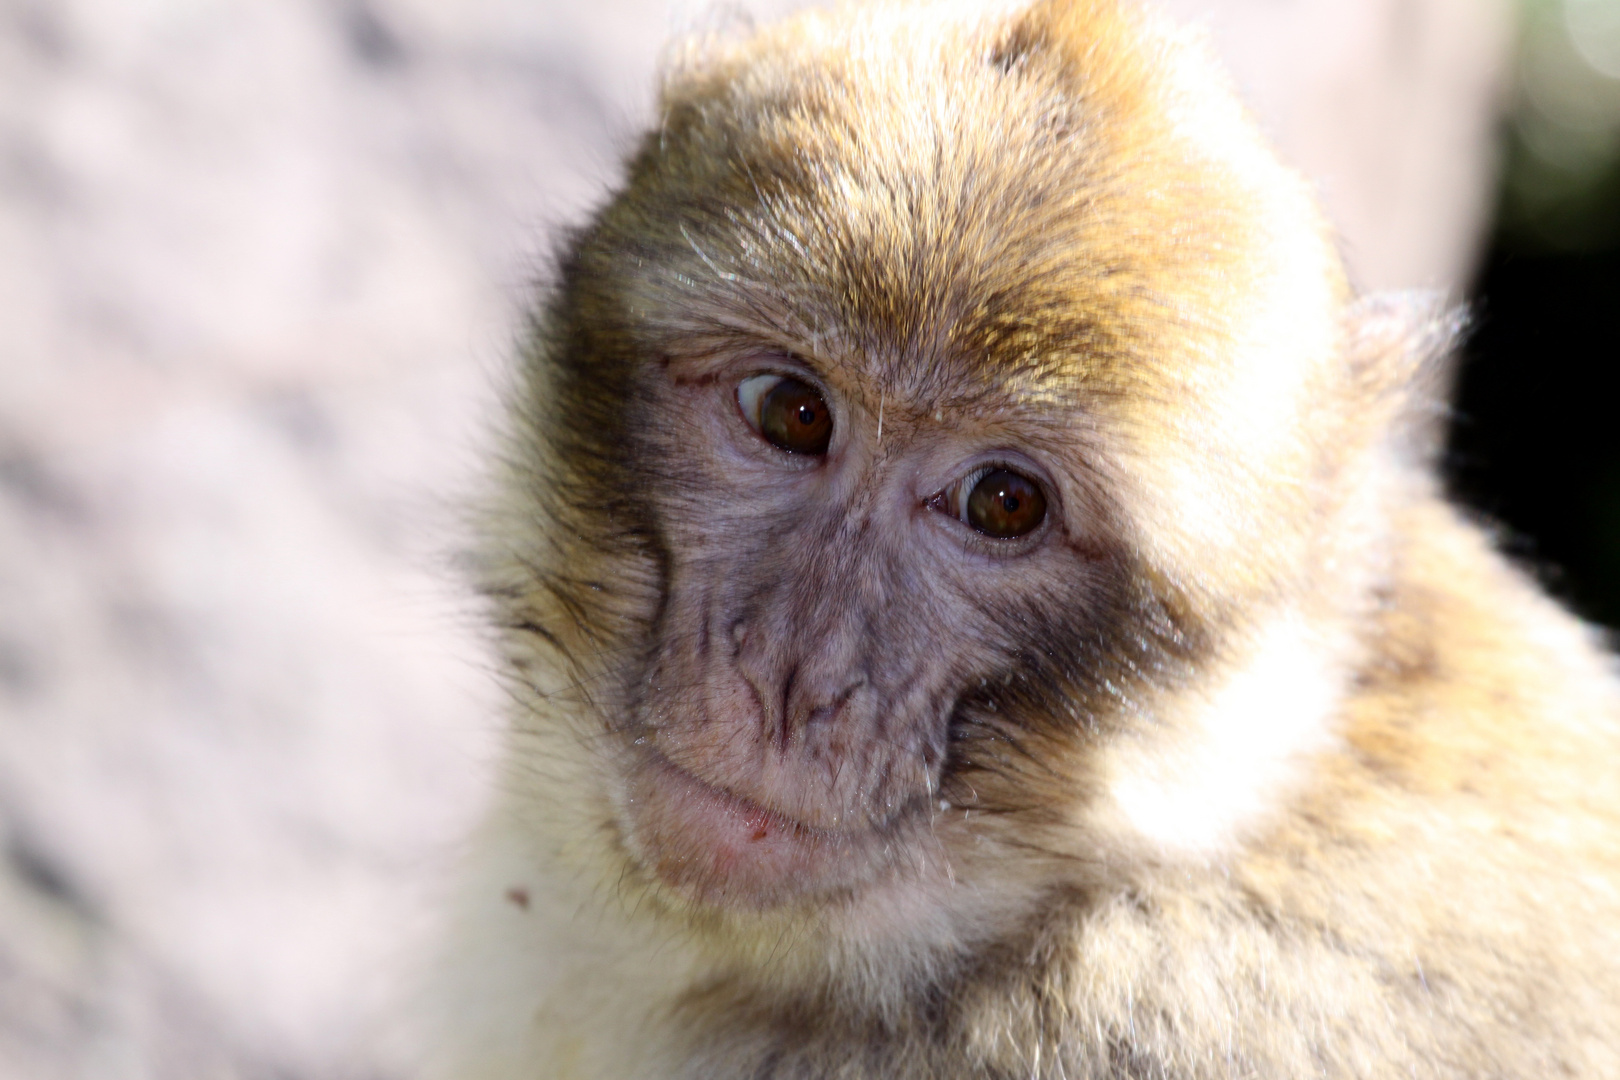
column 790, row 414
column 997, row 502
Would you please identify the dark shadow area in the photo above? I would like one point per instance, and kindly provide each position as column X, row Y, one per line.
column 1536, row 439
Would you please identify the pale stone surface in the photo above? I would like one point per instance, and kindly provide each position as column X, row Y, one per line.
column 1390, row 107
column 264, row 260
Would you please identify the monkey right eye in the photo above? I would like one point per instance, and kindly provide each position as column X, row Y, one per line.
column 997, row 502
column 787, row 413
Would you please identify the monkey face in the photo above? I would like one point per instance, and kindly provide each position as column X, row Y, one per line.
column 926, row 458
column 848, row 565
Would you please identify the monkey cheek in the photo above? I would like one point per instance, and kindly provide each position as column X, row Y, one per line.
column 722, row 850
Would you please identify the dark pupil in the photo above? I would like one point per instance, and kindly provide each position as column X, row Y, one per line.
column 1004, row 504
column 794, row 418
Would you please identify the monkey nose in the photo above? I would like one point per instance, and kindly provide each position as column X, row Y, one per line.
column 797, row 683
column 810, row 708
column 792, row 701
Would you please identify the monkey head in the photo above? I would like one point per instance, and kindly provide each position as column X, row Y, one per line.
column 945, row 419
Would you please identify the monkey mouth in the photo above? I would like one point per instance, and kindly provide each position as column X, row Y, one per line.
column 729, row 851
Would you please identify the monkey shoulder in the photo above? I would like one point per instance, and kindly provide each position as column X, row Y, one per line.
column 1455, row 865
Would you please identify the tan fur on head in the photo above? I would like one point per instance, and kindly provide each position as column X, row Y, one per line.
column 1249, row 758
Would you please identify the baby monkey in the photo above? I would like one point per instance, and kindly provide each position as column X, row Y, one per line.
column 978, row 603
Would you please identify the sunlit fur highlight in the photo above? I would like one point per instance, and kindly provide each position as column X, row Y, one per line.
column 1322, row 787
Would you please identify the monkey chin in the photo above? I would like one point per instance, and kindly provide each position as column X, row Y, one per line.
column 724, row 851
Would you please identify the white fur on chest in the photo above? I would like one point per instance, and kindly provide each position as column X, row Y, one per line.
column 545, row 978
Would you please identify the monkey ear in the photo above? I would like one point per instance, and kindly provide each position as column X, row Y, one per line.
column 1400, row 347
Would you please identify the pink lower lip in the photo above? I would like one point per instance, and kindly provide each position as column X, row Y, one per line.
column 722, row 847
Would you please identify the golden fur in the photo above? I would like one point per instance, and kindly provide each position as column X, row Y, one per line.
column 1322, row 787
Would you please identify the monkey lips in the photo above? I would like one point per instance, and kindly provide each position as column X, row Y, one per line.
column 729, row 851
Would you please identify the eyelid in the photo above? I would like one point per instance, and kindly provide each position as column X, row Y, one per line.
column 751, row 394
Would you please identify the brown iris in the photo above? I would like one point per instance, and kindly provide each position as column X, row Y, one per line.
column 1004, row 504
column 793, row 417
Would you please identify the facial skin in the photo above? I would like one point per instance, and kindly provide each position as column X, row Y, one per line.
column 829, row 612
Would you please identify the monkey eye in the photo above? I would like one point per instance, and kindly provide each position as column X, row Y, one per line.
column 997, row 502
column 788, row 414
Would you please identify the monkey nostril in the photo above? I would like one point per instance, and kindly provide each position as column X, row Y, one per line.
column 832, row 705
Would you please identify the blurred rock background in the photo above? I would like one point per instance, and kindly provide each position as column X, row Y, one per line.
column 261, row 267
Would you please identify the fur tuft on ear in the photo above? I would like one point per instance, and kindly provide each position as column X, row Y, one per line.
column 1400, row 347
